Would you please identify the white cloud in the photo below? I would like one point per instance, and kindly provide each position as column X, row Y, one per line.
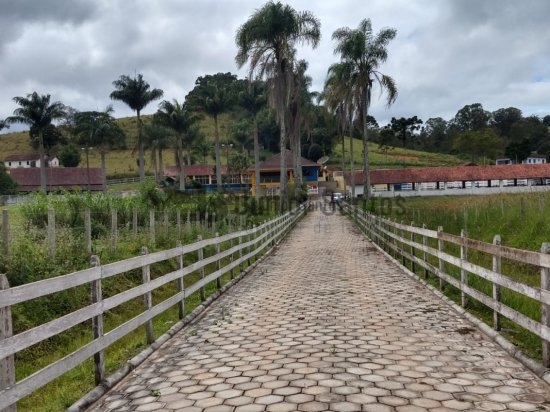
column 446, row 54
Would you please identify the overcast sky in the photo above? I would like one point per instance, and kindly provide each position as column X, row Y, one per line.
column 447, row 53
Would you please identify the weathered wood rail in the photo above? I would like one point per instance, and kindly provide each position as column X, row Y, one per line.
column 426, row 249
column 242, row 246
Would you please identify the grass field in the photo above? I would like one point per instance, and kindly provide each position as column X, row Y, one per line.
column 519, row 219
column 392, row 157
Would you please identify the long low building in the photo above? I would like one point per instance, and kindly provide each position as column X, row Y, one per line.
column 453, row 177
column 58, row 178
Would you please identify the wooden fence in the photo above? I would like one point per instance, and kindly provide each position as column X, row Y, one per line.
column 431, row 252
column 248, row 244
column 155, row 223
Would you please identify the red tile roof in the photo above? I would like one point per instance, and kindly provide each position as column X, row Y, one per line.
column 454, row 174
column 57, row 178
column 274, row 162
column 22, row 157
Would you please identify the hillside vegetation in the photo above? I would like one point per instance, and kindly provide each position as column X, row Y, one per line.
column 124, row 162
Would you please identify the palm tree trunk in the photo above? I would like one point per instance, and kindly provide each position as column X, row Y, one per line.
column 180, row 165
column 218, row 160
column 42, row 162
column 283, row 179
column 257, row 185
column 343, row 161
column 103, row 171
column 161, row 164
column 297, row 163
column 366, row 168
column 352, row 161
column 141, row 151
column 154, row 162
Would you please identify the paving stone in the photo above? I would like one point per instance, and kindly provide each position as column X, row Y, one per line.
column 328, row 323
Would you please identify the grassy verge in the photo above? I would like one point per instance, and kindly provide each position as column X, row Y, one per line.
column 520, row 221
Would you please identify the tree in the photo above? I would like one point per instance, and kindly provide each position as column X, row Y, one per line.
column 137, row 94
column 404, row 128
column 3, row 125
column 361, row 54
column 253, row 99
column 7, row 185
column 480, row 143
column 69, row 156
column 202, row 149
column 213, row 95
column 99, row 130
column 315, row 152
column 267, row 41
column 37, row 112
column 156, row 138
column 435, row 132
column 503, row 119
column 471, row 118
column 237, row 163
column 179, row 118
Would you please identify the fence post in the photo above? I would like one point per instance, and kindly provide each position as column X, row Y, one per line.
column 424, row 243
column 88, row 230
column 413, row 265
column 114, row 226
column 214, row 222
column 181, row 285
column 497, row 263
column 7, row 365
column 403, row 260
column 51, row 233
column 178, row 222
column 249, row 244
column 147, row 298
column 440, row 247
column 463, row 273
column 5, row 232
column 545, row 309
column 188, row 222
column 240, row 252
column 219, row 264
column 165, row 220
column 200, row 256
column 134, row 223
column 152, row 228
column 206, row 222
column 97, row 325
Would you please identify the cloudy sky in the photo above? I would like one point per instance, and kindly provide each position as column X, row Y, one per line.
column 447, row 53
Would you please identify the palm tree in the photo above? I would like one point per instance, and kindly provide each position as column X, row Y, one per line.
column 213, row 96
column 267, row 40
column 157, row 138
column 136, row 93
column 340, row 100
column 253, row 100
column 37, row 112
column 98, row 129
column 300, row 103
column 177, row 117
column 362, row 53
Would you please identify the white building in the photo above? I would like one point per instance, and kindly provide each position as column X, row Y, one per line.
column 28, row 160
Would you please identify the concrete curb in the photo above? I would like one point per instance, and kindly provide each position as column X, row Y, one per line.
column 112, row 380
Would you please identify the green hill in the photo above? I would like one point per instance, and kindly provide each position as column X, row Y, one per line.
column 123, row 162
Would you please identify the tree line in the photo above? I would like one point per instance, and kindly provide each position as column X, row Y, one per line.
column 274, row 108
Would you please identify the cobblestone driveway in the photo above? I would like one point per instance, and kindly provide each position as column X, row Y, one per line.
column 328, row 323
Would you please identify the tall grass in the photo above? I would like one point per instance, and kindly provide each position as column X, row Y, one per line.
column 519, row 219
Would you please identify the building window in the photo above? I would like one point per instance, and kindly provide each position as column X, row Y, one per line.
column 203, row 180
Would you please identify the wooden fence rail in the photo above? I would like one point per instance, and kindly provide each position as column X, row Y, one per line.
column 246, row 244
column 409, row 243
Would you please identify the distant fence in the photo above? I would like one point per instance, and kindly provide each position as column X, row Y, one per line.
column 231, row 252
column 447, row 257
column 154, row 223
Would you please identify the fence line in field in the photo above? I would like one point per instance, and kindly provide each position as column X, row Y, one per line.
column 429, row 250
column 240, row 247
